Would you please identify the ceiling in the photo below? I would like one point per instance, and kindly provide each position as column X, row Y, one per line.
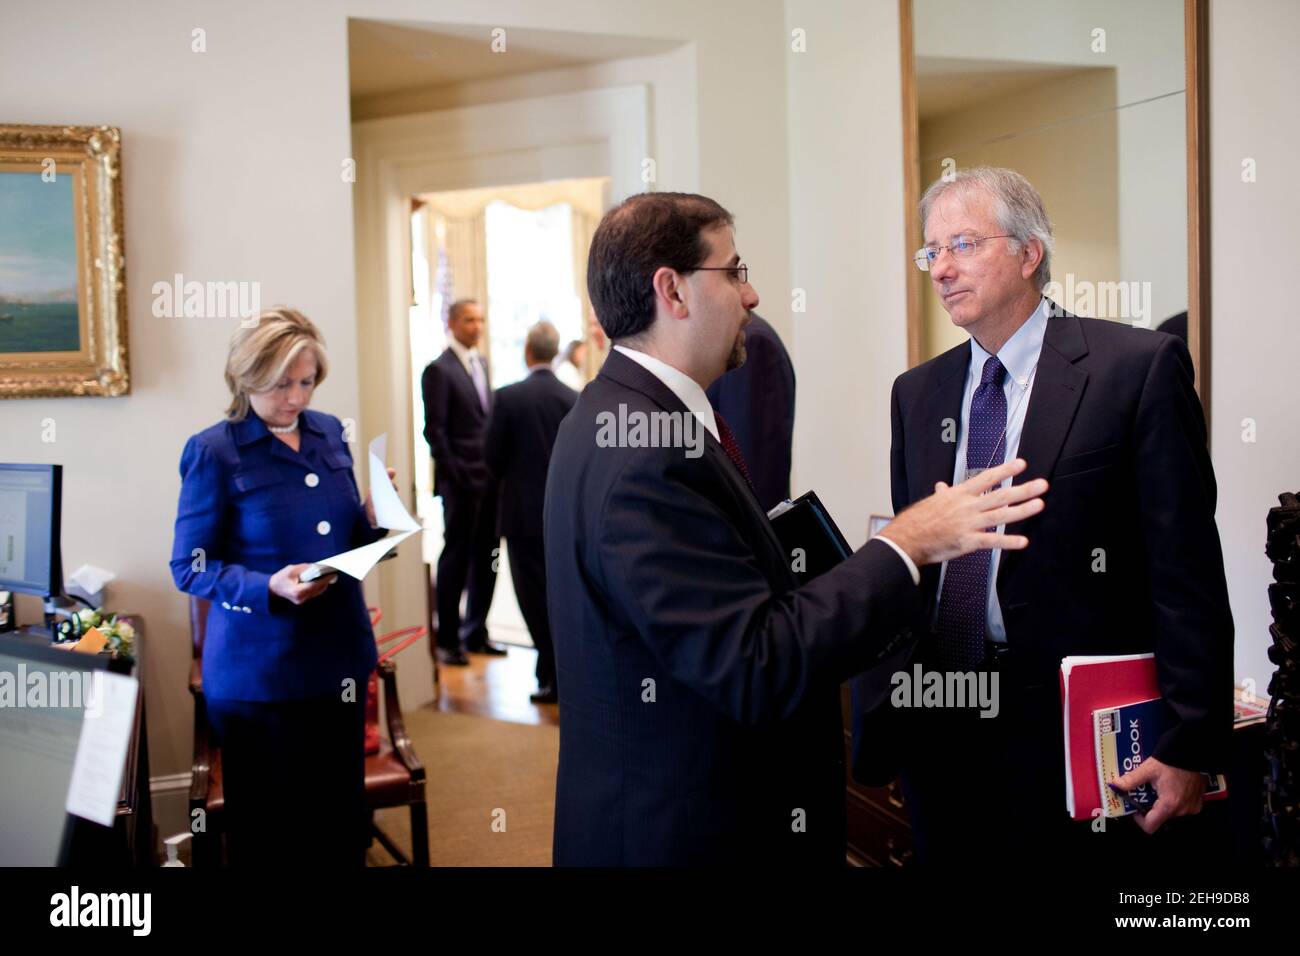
column 390, row 57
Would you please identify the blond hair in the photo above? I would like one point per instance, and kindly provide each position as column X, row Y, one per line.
column 262, row 352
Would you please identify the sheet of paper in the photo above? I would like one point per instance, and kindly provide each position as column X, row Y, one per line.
column 90, row 578
column 360, row 561
column 390, row 513
column 101, row 753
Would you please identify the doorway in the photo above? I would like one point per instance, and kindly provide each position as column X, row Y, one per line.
column 521, row 251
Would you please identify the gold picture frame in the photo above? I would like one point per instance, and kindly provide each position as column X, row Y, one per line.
column 63, row 324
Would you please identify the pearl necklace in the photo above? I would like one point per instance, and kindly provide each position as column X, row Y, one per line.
column 278, row 430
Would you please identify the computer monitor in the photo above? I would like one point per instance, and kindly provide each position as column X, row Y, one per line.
column 38, row 747
column 30, row 504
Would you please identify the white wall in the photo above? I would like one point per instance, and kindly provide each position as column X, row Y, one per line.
column 847, row 252
column 1255, row 336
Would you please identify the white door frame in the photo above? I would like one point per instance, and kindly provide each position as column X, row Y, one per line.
column 590, row 133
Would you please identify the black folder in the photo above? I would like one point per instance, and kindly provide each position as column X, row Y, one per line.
column 806, row 525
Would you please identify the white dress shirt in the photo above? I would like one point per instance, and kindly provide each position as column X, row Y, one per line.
column 465, row 355
column 1019, row 356
column 680, row 384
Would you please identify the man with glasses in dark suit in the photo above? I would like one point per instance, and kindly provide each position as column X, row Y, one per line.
column 702, row 719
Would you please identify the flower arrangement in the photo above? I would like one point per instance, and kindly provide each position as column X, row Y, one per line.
column 119, row 634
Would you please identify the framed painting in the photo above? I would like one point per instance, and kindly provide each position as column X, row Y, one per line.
column 62, row 269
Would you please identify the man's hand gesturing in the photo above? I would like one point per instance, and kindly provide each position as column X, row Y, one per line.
column 957, row 519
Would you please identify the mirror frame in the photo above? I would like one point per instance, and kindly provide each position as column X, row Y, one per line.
column 1196, row 75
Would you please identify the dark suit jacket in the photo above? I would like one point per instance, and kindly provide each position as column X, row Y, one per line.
column 701, row 715
column 1115, row 426
column 525, row 418
column 757, row 400
column 455, row 425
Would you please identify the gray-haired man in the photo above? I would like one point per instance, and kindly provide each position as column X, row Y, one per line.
column 1124, row 558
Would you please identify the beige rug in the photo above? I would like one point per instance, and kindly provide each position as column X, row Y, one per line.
column 491, row 791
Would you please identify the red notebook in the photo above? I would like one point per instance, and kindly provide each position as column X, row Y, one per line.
column 1088, row 684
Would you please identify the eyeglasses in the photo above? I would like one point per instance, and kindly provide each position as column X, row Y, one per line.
column 740, row 270
column 963, row 247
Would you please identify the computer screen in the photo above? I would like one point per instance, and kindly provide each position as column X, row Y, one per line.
column 44, row 693
column 29, row 529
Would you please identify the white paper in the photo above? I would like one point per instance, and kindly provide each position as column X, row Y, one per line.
column 390, row 513
column 101, row 752
column 90, row 578
column 360, row 561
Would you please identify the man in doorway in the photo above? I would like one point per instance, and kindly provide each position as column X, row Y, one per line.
column 525, row 418
column 457, row 406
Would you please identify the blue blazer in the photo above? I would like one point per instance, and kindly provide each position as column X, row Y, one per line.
column 249, row 505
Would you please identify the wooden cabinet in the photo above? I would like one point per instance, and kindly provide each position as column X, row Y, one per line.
column 878, row 831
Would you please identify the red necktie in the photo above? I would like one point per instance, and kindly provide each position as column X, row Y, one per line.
column 732, row 448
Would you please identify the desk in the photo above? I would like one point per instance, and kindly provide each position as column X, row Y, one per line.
column 129, row 842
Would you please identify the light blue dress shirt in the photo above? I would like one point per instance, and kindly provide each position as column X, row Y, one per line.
column 1019, row 356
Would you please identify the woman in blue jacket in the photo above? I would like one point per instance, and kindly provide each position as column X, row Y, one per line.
column 264, row 493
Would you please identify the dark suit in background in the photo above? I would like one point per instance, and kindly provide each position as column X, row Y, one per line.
column 1114, row 424
column 455, row 426
column 702, row 716
column 757, row 400
column 525, row 418
column 1175, row 325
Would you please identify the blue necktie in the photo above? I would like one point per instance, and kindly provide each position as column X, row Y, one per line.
column 963, row 603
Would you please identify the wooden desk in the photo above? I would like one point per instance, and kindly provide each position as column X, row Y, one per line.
column 130, row 841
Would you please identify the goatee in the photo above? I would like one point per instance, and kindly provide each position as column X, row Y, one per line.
column 737, row 357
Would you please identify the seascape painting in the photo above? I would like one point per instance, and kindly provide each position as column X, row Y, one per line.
column 39, row 309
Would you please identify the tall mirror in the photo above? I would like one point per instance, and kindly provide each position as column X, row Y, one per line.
column 1100, row 104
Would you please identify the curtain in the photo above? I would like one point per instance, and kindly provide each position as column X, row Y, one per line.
column 584, row 226
column 465, row 240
